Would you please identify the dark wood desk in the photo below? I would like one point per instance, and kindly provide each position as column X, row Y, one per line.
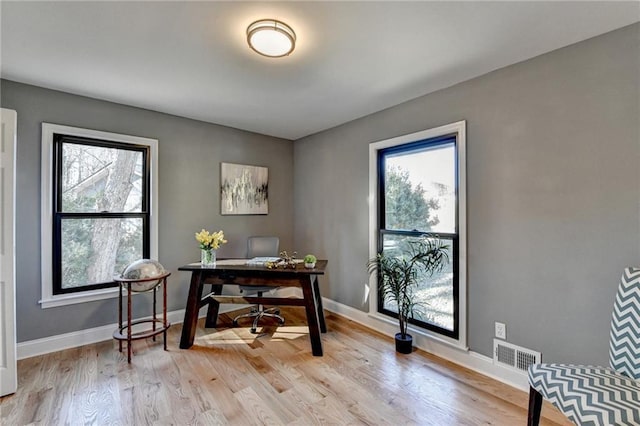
column 235, row 274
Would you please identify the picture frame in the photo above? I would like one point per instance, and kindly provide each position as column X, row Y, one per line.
column 244, row 189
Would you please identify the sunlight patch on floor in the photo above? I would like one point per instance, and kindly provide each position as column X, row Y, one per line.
column 243, row 335
column 232, row 336
column 290, row 332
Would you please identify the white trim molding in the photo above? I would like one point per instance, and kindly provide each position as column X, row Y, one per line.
column 89, row 336
column 49, row 300
column 8, row 139
column 459, row 129
column 464, row 357
column 74, row 339
column 434, row 345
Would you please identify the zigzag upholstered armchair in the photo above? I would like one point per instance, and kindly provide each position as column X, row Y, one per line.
column 598, row 395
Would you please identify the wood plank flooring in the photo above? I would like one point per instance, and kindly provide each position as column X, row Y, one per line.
column 231, row 377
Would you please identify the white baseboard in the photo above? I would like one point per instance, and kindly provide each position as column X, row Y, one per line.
column 464, row 357
column 92, row 335
column 469, row 359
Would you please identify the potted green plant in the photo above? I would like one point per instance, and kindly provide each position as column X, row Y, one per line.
column 397, row 271
column 310, row 261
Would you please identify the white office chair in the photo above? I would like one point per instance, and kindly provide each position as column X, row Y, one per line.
column 260, row 247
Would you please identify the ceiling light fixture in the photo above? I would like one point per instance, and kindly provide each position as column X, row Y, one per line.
column 271, row 38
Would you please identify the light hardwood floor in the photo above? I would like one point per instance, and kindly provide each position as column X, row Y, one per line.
column 231, row 377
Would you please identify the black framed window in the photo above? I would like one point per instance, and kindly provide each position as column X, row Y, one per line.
column 101, row 210
column 418, row 193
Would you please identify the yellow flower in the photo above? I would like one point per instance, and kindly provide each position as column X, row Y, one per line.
column 210, row 241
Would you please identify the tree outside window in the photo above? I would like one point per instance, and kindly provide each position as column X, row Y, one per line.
column 418, row 198
column 101, row 211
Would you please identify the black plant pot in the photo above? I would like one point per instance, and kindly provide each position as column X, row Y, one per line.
column 404, row 346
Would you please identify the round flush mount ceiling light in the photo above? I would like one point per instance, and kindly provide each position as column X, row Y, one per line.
column 271, row 38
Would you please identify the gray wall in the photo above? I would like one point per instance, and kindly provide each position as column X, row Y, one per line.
column 189, row 154
column 553, row 147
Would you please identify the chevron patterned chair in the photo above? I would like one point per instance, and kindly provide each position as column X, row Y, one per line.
column 598, row 395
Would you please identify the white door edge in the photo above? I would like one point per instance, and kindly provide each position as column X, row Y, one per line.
column 8, row 365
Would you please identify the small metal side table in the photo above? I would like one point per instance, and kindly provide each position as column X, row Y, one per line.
column 141, row 285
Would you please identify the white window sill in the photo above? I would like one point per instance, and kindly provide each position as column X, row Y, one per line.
column 73, row 298
column 417, row 331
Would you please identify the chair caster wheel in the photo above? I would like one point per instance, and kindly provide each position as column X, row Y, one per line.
column 253, row 331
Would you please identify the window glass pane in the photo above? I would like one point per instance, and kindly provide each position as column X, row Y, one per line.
column 434, row 292
column 97, row 179
column 420, row 189
column 93, row 250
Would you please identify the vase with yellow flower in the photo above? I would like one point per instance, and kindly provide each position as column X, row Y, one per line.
column 209, row 243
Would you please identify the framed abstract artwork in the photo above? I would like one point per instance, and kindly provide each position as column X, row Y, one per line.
column 243, row 189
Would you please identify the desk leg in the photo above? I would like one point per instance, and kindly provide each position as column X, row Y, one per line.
column 191, row 312
column 312, row 316
column 214, row 307
column 319, row 307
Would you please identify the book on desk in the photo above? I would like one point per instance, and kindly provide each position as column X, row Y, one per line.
column 261, row 260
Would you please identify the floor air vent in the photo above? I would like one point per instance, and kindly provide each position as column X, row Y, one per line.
column 514, row 357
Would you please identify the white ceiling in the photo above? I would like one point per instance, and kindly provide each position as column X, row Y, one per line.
column 352, row 58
